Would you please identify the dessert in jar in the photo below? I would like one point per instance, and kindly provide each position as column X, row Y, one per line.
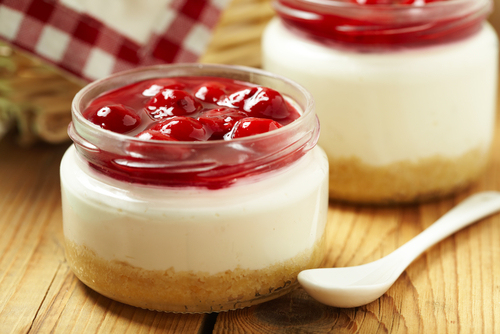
column 193, row 188
column 405, row 90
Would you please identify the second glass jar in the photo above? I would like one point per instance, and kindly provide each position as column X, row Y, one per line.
column 406, row 93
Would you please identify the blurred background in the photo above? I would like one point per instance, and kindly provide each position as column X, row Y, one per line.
column 495, row 16
column 35, row 97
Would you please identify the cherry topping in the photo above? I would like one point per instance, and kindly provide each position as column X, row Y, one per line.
column 221, row 120
column 164, row 83
column 394, row 2
column 187, row 108
column 155, row 151
column 211, row 92
column 167, row 117
column 116, row 117
column 172, row 102
column 182, row 128
column 236, row 99
column 154, row 135
column 264, row 102
column 250, row 126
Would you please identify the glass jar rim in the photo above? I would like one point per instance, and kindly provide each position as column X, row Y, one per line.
column 170, row 159
column 331, row 4
column 383, row 24
column 86, row 125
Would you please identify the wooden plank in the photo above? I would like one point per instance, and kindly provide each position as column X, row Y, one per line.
column 453, row 287
column 38, row 292
column 23, row 279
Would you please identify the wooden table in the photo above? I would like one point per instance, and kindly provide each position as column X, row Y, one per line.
column 452, row 288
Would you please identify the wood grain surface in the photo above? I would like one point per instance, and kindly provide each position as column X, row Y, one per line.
column 452, row 288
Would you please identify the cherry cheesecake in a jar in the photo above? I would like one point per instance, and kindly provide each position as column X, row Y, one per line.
column 193, row 188
column 405, row 90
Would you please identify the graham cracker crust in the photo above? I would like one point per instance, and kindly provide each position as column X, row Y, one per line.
column 408, row 181
column 188, row 291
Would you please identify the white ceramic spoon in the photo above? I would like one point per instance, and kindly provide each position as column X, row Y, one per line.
column 360, row 285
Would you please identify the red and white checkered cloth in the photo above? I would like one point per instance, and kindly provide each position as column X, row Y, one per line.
column 94, row 38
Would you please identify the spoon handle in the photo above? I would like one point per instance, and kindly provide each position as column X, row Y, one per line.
column 467, row 212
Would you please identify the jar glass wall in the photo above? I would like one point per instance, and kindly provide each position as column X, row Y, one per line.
column 227, row 239
column 406, row 95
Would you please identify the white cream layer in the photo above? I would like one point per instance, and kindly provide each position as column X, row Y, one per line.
column 250, row 225
column 392, row 106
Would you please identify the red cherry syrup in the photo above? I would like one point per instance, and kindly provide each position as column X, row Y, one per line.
column 212, row 106
column 368, row 23
column 184, row 109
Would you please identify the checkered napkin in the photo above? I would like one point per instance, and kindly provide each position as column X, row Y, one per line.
column 94, row 38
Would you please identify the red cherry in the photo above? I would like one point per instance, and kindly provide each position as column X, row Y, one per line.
column 171, row 102
column 250, row 126
column 160, row 84
column 211, row 92
column 116, row 117
column 221, row 120
column 157, row 151
column 154, row 135
column 265, row 102
column 183, row 128
column 235, row 100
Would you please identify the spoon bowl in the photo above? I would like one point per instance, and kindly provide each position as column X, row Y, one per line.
column 360, row 285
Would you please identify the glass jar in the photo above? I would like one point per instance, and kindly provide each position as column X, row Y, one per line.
column 405, row 93
column 194, row 226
